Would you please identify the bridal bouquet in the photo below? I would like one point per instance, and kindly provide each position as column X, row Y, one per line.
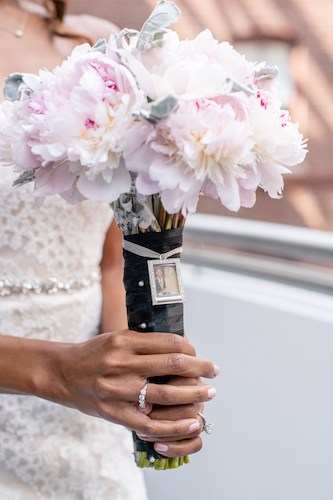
column 148, row 124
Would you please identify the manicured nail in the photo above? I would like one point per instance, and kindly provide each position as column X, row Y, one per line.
column 141, row 436
column 194, row 427
column 216, row 370
column 161, row 447
column 211, row 393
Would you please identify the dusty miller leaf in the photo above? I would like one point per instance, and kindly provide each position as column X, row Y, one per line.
column 164, row 14
column 100, row 46
column 14, row 87
column 160, row 109
column 25, row 177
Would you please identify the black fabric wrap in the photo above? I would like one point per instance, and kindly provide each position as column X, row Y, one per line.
column 162, row 318
column 166, row 318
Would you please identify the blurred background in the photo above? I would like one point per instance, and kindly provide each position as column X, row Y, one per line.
column 259, row 283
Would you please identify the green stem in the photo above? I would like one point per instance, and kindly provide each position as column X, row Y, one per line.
column 174, row 463
column 182, row 221
column 142, row 459
column 168, row 222
column 160, row 464
column 162, row 216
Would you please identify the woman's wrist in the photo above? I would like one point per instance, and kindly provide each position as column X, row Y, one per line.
column 32, row 367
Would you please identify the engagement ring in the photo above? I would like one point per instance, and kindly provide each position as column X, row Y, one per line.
column 208, row 428
column 142, row 396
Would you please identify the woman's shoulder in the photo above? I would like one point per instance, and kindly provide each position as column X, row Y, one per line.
column 91, row 26
column 82, row 25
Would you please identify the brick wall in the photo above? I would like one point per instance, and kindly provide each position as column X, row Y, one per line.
column 308, row 194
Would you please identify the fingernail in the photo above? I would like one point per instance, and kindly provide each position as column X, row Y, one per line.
column 211, row 393
column 194, row 427
column 141, row 436
column 161, row 447
column 216, row 370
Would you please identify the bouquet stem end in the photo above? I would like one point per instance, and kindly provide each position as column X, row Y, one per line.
column 142, row 461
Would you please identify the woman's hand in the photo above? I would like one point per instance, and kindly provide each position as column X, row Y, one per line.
column 103, row 377
column 181, row 445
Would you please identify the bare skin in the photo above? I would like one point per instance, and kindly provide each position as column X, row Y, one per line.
column 43, row 51
column 102, row 377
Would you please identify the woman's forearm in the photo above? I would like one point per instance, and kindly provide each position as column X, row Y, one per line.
column 31, row 367
column 114, row 308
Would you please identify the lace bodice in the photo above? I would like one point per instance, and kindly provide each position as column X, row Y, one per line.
column 47, row 451
column 55, row 239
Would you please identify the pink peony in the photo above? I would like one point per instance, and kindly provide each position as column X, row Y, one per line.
column 204, row 147
column 225, row 148
column 278, row 146
column 72, row 126
column 191, row 68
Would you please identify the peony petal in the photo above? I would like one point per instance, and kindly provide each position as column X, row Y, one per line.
column 23, row 156
column 229, row 193
column 271, row 179
column 72, row 195
column 136, row 137
column 141, row 75
column 175, row 200
column 209, row 189
column 247, row 197
column 100, row 190
column 168, row 175
column 140, row 158
column 52, row 180
column 32, row 81
column 251, row 181
column 145, row 185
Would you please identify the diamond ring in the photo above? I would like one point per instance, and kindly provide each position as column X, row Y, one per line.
column 142, row 396
column 208, row 428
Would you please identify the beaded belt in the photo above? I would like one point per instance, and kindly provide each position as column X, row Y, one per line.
column 50, row 286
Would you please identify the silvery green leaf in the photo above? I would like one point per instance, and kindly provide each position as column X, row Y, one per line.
column 149, row 219
column 124, row 32
column 239, row 87
column 163, row 107
column 160, row 109
column 164, row 14
column 14, row 86
column 140, row 73
column 159, row 36
column 99, row 46
column 267, row 72
column 133, row 211
column 25, row 177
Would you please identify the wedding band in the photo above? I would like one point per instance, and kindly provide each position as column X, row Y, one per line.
column 208, row 428
column 142, row 396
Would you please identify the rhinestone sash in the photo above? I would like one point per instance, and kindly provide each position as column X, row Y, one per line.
column 50, row 286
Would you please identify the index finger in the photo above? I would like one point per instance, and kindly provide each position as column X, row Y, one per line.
column 161, row 343
column 159, row 365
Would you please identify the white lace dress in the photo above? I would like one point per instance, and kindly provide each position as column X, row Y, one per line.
column 48, row 451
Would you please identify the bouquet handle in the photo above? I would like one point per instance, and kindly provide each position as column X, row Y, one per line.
column 145, row 317
column 142, row 316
